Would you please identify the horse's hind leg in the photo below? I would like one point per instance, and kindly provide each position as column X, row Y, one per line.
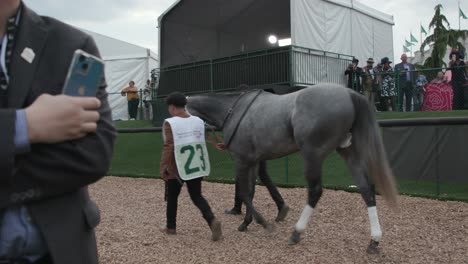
column 367, row 191
column 368, row 194
column 266, row 179
column 313, row 174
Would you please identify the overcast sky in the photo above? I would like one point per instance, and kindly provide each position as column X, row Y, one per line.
column 135, row 21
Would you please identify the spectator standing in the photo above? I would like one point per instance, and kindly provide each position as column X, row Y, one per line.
column 368, row 80
column 388, row 90
column 133, row 99
column 354, row 75
column 459, row 77
column 379, row 99
column 418, row 94
column 406, row 81
column 147, row 102
column 147, row 106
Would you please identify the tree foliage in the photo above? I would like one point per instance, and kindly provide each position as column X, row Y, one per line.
column 442, row 37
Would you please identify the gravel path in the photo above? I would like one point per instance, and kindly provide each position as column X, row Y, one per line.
column 133, row 210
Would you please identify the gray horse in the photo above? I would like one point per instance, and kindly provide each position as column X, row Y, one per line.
column 316, row 121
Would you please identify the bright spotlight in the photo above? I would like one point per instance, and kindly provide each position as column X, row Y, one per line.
column 272, row 39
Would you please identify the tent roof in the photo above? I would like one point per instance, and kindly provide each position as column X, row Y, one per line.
column 115, row 49
column 236, row 6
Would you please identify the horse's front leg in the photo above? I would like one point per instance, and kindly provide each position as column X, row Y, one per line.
column 246, row 178
column 249, row 196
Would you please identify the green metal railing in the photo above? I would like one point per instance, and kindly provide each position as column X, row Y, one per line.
column 289, row 65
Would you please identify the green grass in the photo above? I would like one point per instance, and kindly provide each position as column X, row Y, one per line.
column 138, row 155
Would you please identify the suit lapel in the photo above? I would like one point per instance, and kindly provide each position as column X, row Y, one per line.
column 32, row 36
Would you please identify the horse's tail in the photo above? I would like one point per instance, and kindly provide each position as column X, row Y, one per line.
column 370, row 149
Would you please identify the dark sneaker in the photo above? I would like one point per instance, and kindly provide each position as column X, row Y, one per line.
column 168, row 231
column 233, row 211
column 216, row 232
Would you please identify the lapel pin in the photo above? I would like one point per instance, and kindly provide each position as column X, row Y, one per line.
column 28, row 55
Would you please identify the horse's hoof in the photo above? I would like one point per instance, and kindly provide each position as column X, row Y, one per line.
column 295, row 238
column 270, row 228
column 233, row 211
column 373, row 247
column 242, row 228
column 283, row 212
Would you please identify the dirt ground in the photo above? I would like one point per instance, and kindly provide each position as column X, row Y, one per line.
column 133, row 211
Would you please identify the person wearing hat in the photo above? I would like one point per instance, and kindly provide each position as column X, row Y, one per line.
column 368, row 80
column 354, row 74
column 388, row 89
column 459, row 77
column 406, row 82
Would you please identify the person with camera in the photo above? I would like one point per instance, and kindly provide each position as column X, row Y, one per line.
column 354, row 74
column 368, row 80
column 52, row 145
column 459, row 77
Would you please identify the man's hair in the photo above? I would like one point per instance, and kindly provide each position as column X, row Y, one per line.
column 177, row 99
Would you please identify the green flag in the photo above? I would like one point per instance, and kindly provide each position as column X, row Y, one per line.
column 405, row 49
column 423, row 30
column 413, row 39
column 408, row 43
column 462, row 15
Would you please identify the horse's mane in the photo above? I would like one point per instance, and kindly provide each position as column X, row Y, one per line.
column 244, row 88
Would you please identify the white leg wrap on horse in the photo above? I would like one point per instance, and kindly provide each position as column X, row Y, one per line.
column 347, row 141
column 376, row 233
column 304, row 219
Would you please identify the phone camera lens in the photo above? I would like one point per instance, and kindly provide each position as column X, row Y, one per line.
column 84, row 66
column 81, row 58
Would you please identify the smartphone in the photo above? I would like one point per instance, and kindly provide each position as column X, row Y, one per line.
column 84, row 75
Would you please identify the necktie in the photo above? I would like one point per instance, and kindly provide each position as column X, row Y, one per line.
column 10, row 42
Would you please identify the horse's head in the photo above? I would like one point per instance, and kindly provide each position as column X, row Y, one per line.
column 212, row 108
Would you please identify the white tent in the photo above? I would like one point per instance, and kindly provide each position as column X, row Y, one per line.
column 125, row 62
column 342, row 26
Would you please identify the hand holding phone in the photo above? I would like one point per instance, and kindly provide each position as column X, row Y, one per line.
column 84, row 75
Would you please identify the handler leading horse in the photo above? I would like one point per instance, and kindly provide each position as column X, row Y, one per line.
column 316, row 121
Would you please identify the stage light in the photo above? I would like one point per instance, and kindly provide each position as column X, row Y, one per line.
column 272, row 39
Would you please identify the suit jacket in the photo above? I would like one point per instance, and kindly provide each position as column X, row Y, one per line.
column 402, row 76
column 51, row 180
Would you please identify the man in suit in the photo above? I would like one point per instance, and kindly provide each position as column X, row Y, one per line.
column 406, row 83
column 52, row 146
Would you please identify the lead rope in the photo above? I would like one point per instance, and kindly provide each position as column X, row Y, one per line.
column 216, row 141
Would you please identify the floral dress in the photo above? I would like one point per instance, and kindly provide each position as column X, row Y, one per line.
column 388, row 83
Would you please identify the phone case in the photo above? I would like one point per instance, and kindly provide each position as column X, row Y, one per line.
column 84, row 75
